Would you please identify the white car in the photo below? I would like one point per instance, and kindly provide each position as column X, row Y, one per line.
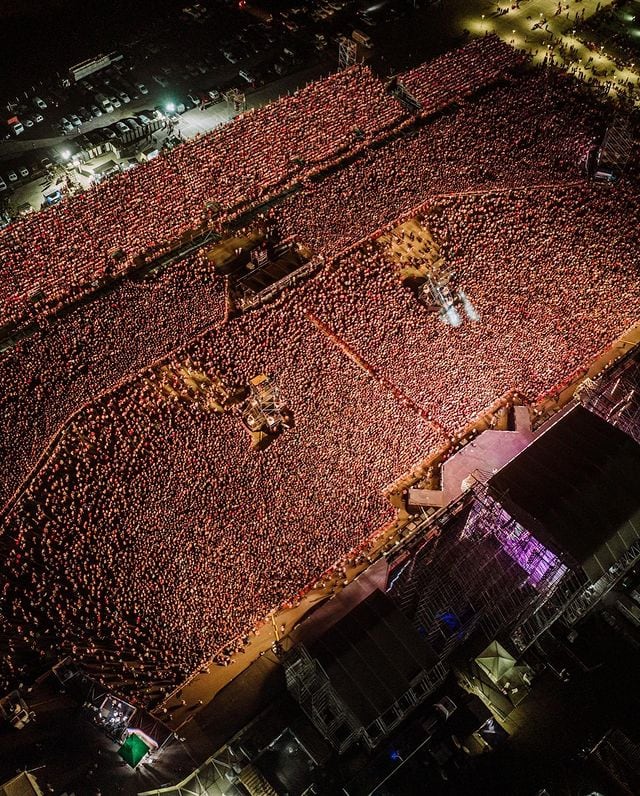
column 3, row 185
column 38, row 117
column 66, row 125
column 121, row 127
column 24, row 171
column 142, row 88
column 27, row 121
column 12, row 176
column 40, row 103
column 124, row 97
column 115, row 101
column 75, row 120
column 95, row 111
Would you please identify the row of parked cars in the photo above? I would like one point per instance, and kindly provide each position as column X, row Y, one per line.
column 103, row 94
column 24, row 171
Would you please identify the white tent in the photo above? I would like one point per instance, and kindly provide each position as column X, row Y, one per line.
column 496, row 661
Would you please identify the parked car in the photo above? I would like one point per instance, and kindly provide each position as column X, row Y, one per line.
column 16, row 128
column 95, row 111
column 108, row 133
column 66, row 125
column 133, row 124
column 12, row 176
column 27, row 121
column 37, row 117
column 46, row 163
column 115, row 101
column 75, row 120
column 24, row 171
column 230, row 56
column 3, row 185
column 246, row 75
column 84, row 114
column 144, row 119
column 142, row 89
column 40, row 103
column 121, row 127
column 124, row 97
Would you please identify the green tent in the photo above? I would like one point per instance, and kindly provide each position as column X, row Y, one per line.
column 133, row 750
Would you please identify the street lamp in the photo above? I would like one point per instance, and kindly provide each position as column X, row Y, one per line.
column 170, row 107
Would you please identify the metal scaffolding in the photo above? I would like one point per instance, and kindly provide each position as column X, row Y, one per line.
column 615, row 396
column 347, row 52
column 617, row 145
column 310, row 686
column 426, row 684
column 482, row 571
column 620, row 758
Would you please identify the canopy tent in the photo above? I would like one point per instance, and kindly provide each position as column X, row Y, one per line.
column 496, row 661
column 133, row 750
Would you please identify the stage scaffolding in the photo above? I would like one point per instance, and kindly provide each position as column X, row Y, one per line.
column 615, row 396
column 310, row 686
column 481, row 572
column 347, row 52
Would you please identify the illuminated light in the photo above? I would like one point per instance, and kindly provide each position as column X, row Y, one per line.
column 170, row 107
column 65, row 154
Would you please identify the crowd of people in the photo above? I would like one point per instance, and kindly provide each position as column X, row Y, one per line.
column 153, row 537
column 457, row 74
column 57, row 253
column 497, row 140
column 69, row 360
column 177, row 534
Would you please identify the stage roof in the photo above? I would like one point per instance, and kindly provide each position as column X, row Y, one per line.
column 372, row 655
column 577, row 488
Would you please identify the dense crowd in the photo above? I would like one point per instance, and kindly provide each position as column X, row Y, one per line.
column 499, row 140
column 457, row 74
column 69, row 360
column 153, row 534
column 175, row 532
column 62, row 250
column 552, row 275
